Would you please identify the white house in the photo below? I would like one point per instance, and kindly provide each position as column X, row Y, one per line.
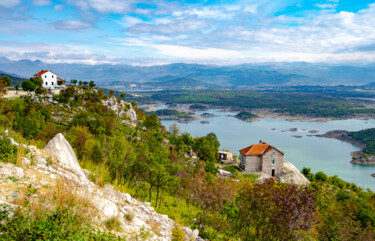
column 49, row 78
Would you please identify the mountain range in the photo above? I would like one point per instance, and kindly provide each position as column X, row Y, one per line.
column 196, row 76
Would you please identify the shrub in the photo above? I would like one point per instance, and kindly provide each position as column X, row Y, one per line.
column 321, row 176
column 113, row 224
column 27, row 85
column 178, row 234
column 46, row 225
column 8, row 152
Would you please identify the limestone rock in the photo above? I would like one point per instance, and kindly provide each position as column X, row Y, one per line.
column 292, row 175
column 60, row 148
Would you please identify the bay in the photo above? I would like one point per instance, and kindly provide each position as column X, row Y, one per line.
column 320, row 154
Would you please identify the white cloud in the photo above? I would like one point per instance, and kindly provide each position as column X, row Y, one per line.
column 206, row 12
column 50, row 53
column 42, row 2
column 104, row 6
column 129, row 21
column 72, row 25
column 9, row 3
column 166, row 27
column 58, row 7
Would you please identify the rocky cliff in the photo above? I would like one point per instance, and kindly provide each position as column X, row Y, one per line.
column 55, row 170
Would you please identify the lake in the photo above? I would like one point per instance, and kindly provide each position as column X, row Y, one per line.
column 320, row 154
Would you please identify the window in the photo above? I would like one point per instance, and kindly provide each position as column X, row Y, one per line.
column 273, row 161
column 45, row 76
column 46, row 83
column 53, row 76
column 52, row 83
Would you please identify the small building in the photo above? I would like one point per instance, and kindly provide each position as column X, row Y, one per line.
column 262, row 157
column 49, row 78
column 225, row 157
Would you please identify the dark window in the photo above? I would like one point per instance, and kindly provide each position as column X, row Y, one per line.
column 273, row 172
column 46, row 83
column 45, row 76
column 52, row 76
column 52, row 83
column 273, row 161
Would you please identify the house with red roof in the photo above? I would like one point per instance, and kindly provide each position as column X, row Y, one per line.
column 263, row 158
column 49, row 78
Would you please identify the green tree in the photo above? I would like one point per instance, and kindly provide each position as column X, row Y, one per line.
column 111, row 92
column 73, row 81
column 17, row 86
column 207, row 147
column 122, row 95
column 92, row 84
column 28, row 85
column 7, row 80
column 80, row 83
column 37, row 81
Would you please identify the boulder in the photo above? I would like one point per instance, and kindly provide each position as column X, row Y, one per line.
column 60, row 148
column 292, row 175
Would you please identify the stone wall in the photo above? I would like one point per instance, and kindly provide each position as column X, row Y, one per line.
column 251, row 163
column 267, row 165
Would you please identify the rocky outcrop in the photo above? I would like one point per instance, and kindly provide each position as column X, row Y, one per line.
column 364, row 160
column 60, row 148
column 292, row 175
column 121, row 108
column 135, row 217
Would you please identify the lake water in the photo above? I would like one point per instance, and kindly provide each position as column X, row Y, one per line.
column 320, row 154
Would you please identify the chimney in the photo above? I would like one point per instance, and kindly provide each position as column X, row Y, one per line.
column 260, row 142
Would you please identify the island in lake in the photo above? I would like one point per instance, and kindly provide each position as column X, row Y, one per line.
column 246, row 116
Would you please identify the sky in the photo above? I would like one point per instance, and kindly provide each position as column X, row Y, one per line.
column 153, row 32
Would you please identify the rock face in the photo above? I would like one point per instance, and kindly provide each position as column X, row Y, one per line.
column 292, row 175
column 122, row 109
column 60, row 148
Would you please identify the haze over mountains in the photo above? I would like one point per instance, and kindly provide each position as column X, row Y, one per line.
column 194, row 76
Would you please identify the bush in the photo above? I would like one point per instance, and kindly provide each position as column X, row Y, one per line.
column 28, row 85
column 8, row 152
column 178, row 234
column 321, row 176
column 55, row 225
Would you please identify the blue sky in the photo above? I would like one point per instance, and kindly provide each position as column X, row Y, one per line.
column 210, row 32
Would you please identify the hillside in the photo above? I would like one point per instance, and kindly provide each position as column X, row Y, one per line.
column 15, row 79
column 87, row 166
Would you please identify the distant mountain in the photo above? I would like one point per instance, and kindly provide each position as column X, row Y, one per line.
column 193, row 76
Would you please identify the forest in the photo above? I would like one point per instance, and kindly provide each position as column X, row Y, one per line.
column 155, row 165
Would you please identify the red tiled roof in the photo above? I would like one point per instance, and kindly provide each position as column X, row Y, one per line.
column 42, row 72
column 258, row 149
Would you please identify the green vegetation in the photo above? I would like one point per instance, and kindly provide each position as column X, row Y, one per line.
column 57, row 225
column 198, row 107
column 157, row 166
column 28, row 85
column 366, row 136
column 244, row 115
column 298, row 101
column 171, row 112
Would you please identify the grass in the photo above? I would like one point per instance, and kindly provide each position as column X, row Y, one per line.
column 234, row 169
column 249, row 177
column 113, row 224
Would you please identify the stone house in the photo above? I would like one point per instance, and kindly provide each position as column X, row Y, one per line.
column 262, row 157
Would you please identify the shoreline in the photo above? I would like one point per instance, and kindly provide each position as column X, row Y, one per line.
column 263, row 113
column 358, row 157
